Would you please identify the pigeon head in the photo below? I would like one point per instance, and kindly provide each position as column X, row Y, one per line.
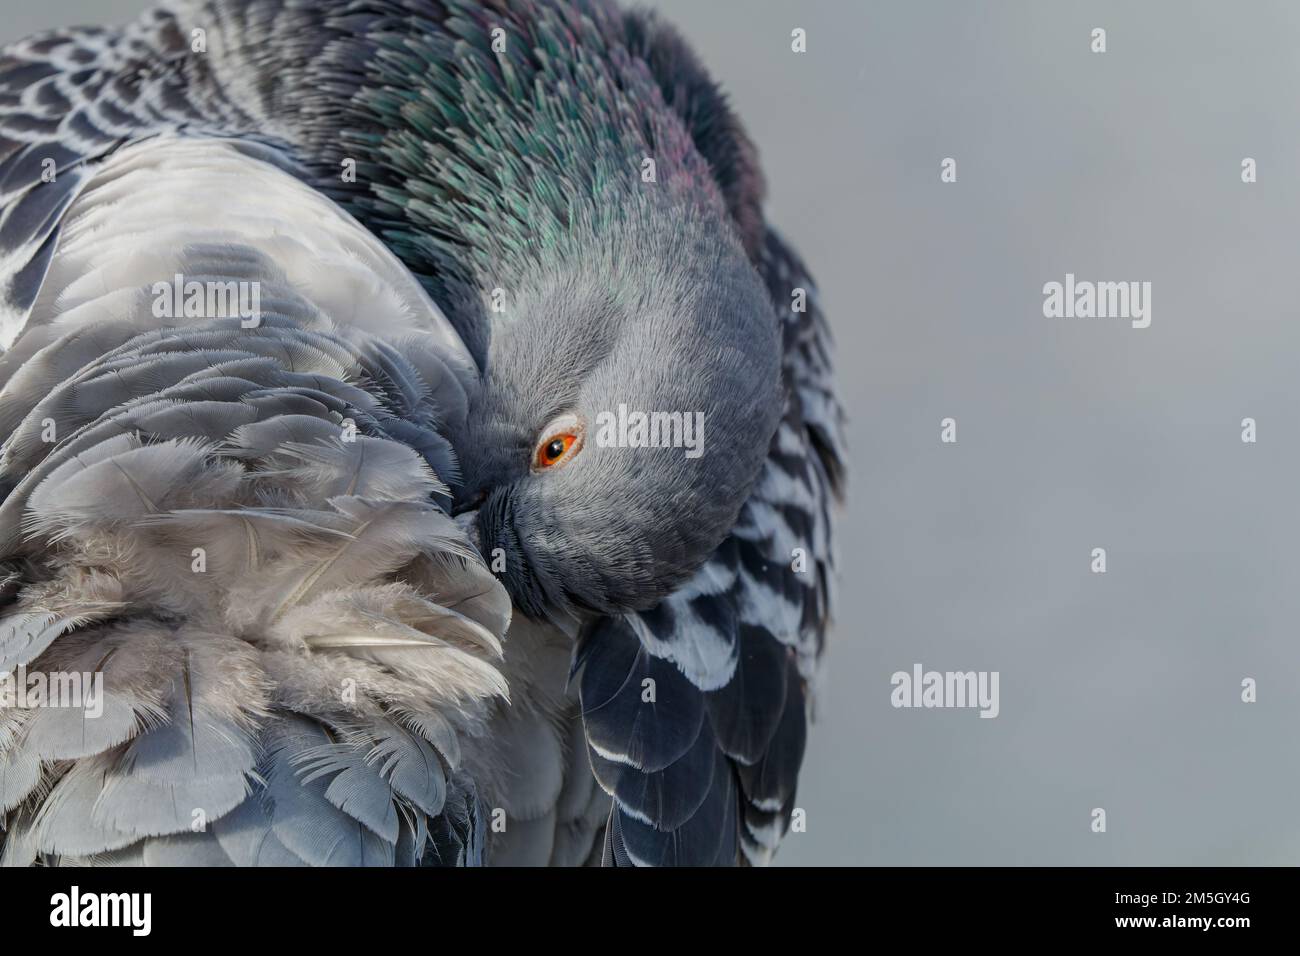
column 628, row 402
column 596, row 263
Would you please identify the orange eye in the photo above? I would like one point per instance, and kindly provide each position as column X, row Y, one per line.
column 561, row 440
column 554, row 449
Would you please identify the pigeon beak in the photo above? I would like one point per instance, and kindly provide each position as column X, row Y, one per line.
column 468, row 502
column 467, row 521
column 464, row 511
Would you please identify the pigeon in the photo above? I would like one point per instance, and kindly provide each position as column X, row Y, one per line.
column 419, row 449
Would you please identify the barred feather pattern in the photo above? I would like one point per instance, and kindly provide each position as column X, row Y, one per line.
column 707, row 773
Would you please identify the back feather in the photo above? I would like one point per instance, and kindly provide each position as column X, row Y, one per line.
column 241, row 531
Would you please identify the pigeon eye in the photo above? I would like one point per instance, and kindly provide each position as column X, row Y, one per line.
column 552, row 451
column 560, row 442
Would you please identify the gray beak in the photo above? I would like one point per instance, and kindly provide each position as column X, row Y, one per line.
column 467, row 521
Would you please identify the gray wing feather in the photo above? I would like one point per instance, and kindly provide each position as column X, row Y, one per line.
column 307, row 695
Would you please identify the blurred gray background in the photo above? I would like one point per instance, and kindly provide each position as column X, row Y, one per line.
column 1120, row 690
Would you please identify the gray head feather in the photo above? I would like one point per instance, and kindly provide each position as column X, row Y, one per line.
column 670, row 318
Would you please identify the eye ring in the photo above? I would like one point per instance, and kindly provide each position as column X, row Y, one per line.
column 561, row 440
